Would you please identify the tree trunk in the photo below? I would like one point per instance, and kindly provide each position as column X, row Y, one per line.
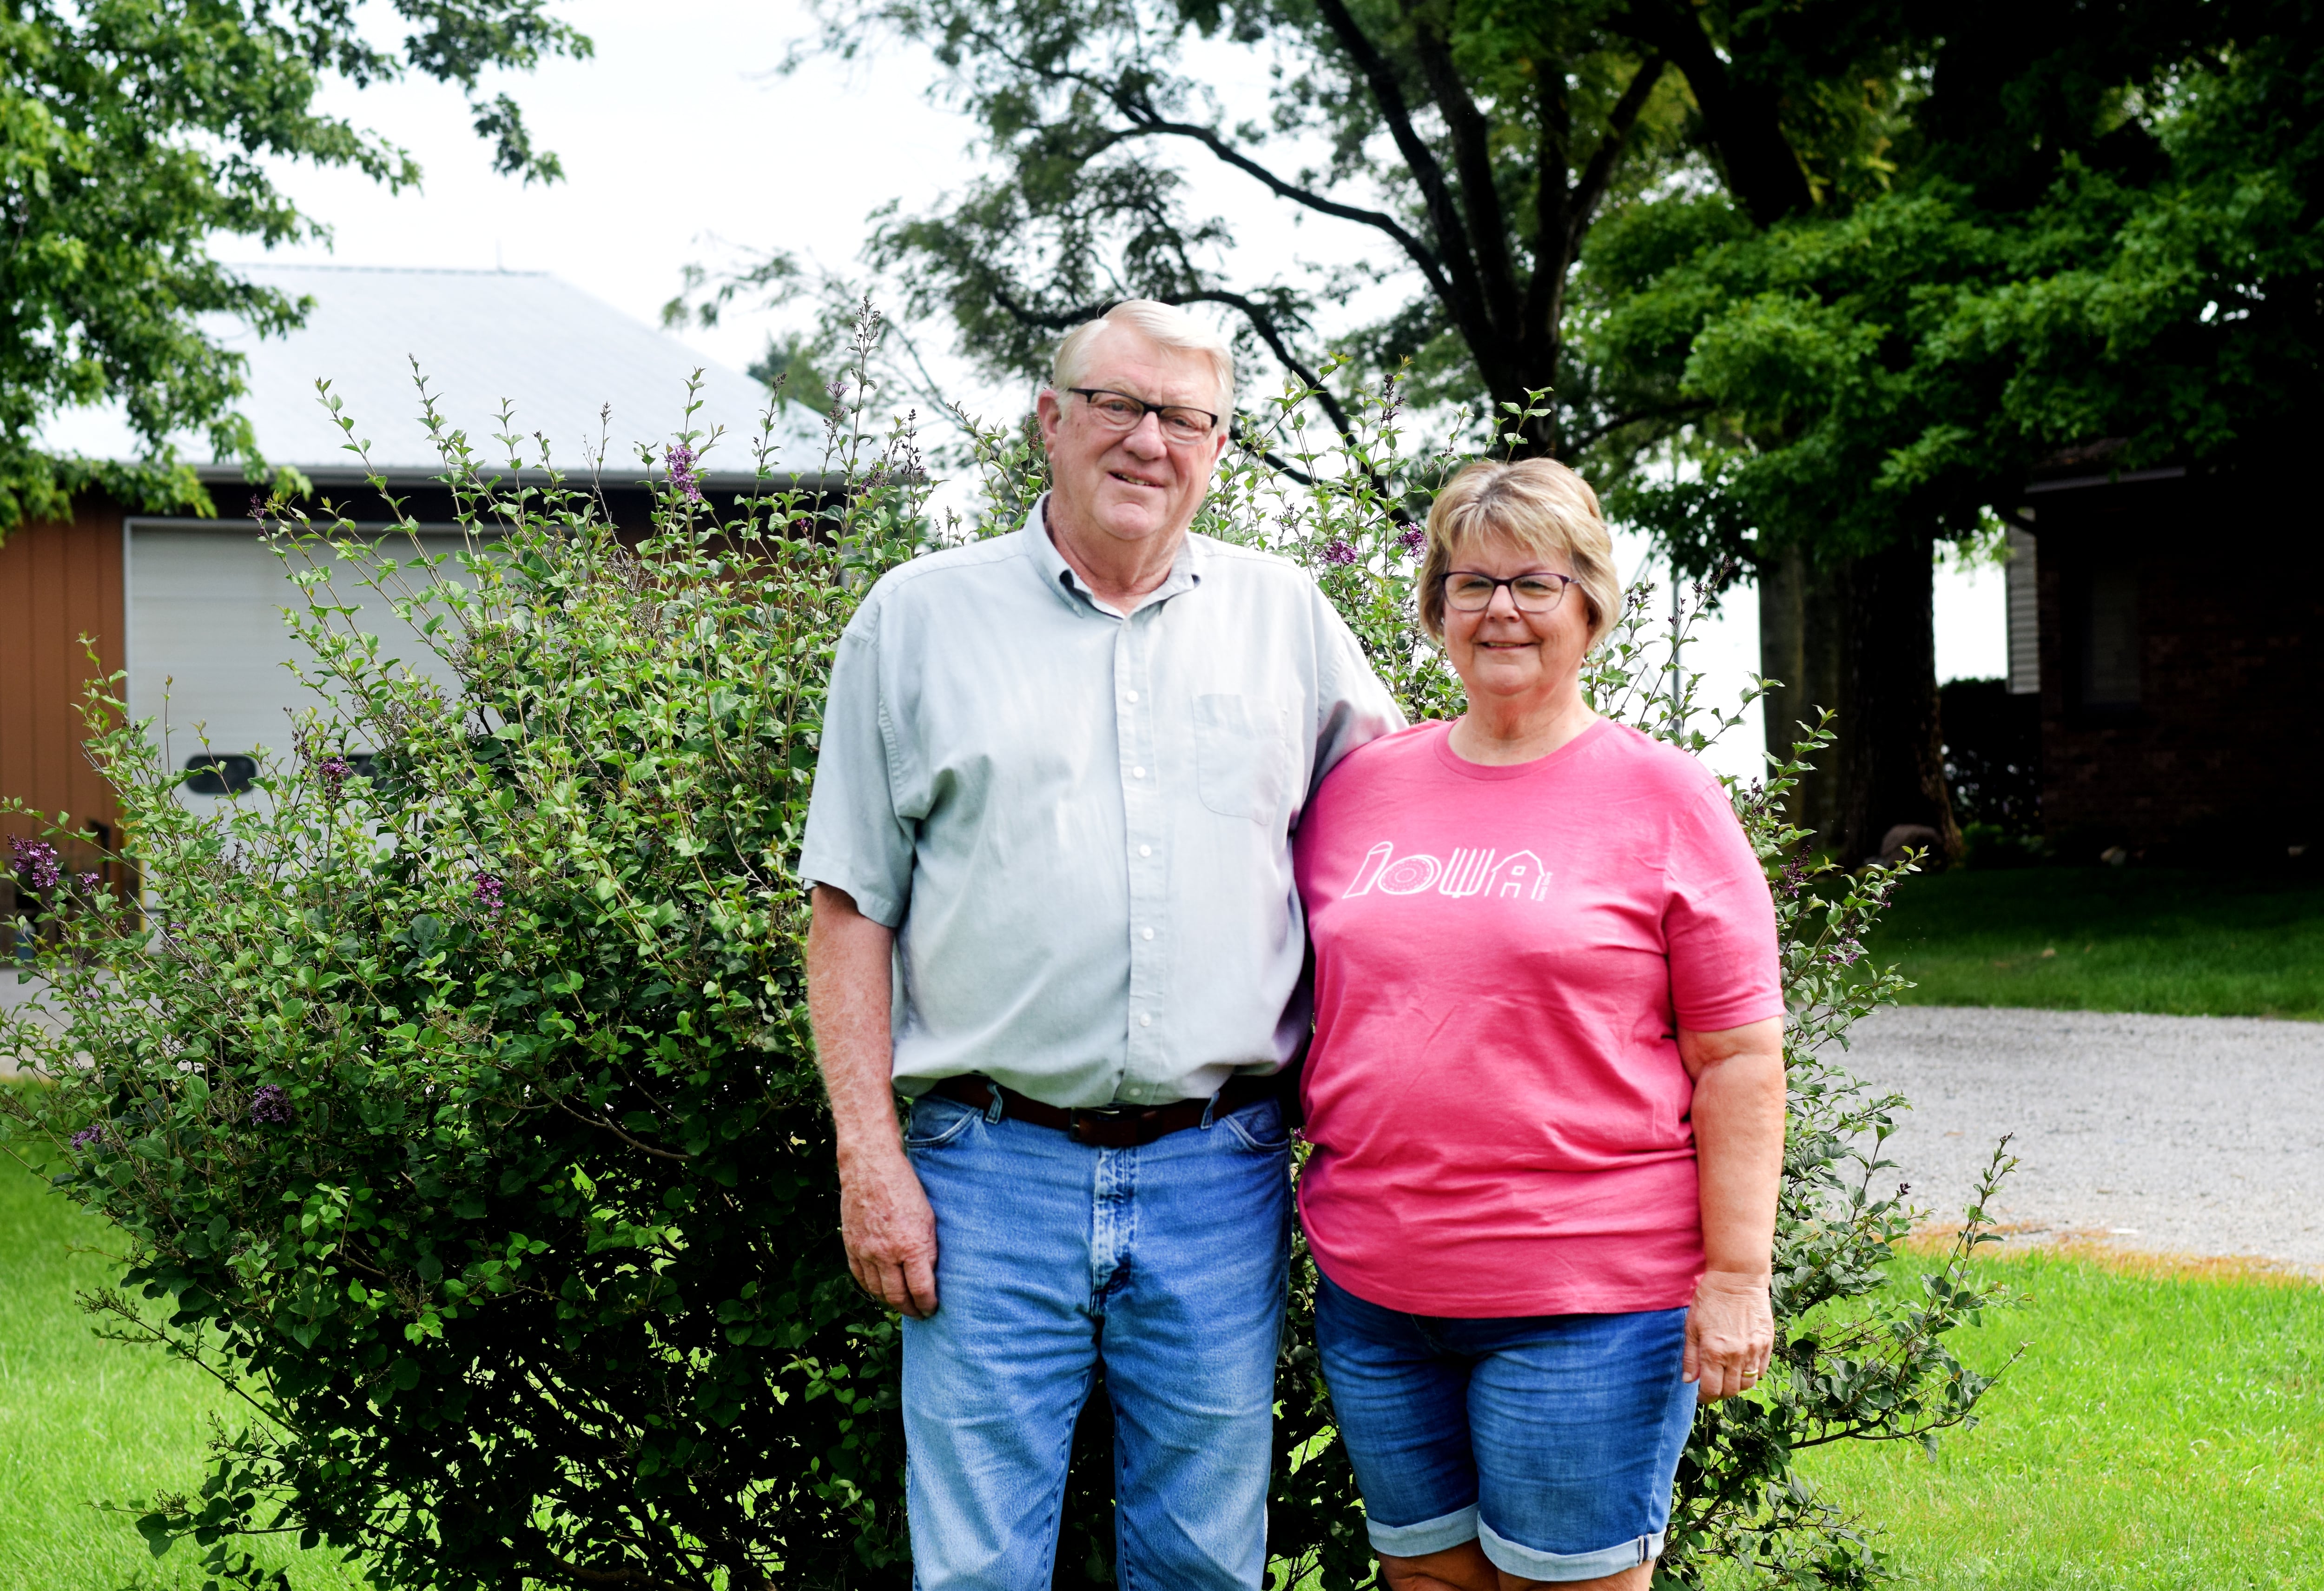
column 1860, row 636
column 1799, row 647
column 1892, row 765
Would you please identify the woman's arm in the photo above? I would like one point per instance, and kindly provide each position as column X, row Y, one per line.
column 1739, row 1146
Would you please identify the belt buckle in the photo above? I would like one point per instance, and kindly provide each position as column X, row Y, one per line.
column 1104, row 1129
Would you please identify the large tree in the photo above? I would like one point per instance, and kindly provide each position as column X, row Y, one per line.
column 132, row 133
column 1474, row 145
column 2106, row 242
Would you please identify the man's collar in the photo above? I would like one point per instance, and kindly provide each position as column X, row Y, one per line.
column 1186, row 569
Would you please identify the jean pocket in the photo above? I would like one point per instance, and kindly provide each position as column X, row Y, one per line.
column 937, row 1121
column 1243, row 756
column 1259, row 1127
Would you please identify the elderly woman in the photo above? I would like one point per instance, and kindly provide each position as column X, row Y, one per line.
column 1547, row 1090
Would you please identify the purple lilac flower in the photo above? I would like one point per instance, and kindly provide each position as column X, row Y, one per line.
column 270, row 1105
column 680, row 460
column 335, row 771
column 87, row 881
column 1339, row 553
column 1845, row 953
column 37, row 861
column 488, row 891
column 87, row 1136
column 1412, row 538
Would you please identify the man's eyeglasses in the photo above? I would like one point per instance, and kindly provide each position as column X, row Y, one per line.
column 1468, row 591
column 1120, row 412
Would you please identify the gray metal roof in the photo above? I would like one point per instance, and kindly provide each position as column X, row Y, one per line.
column 556, row 353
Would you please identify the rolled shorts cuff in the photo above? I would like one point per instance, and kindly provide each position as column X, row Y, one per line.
column 1537, row 1565
column 1430, row 1535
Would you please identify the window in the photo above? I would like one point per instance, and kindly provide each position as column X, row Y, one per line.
column 2019, row 579
column 217, row 774
column 2109, row 638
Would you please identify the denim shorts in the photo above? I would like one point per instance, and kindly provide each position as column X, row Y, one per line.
column 1551, row 1440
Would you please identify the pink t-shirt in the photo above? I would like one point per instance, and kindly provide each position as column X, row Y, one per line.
column 1504, row 957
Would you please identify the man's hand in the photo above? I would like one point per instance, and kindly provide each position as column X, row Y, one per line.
column 884, row 1219
column 890, row 1232
column 1730, row 1331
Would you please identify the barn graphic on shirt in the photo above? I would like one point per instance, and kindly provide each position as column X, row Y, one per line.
column 1467, row 871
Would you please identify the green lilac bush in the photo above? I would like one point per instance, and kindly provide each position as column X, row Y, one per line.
column 452, row 1095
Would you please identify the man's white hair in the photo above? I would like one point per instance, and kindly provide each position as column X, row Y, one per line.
column 1165, row 325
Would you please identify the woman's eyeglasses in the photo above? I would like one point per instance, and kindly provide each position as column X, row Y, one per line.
column 1120, row 411
column 1468, row 591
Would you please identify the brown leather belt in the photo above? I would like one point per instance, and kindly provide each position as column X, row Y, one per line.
column 1120, row 1127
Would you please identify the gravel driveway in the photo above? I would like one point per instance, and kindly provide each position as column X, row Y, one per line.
column 2187, row 1134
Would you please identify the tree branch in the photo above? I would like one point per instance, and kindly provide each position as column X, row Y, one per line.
column 1581, row 209
column 1149, row 121
column 1472, row 154
column 1269, row 333
column 1428, row 260
column 1461, row 295
column 1665, row 411
column 668, row 1155
column 1741, row 123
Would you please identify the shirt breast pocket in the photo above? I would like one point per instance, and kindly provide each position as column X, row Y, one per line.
column 1243, row 756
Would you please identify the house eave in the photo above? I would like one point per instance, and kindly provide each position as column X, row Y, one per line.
column 416, row 477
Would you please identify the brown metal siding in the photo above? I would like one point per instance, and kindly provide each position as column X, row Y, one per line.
column 58, row 583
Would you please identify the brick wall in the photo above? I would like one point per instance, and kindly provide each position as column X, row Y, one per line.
column 2222, row 755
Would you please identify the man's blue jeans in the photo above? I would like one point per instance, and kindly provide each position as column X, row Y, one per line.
column 1164, row 1263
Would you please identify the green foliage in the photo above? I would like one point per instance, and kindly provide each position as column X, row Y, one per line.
column 458, row 1110
column 2148, row 294
column 133, row 133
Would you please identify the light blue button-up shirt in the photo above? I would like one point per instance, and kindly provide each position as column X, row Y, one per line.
column 1078, row 820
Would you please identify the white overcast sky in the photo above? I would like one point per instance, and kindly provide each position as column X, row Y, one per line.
column 681, row 143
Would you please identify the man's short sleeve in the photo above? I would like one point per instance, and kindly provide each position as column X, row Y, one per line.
column 1354, row 709
column 855, row 841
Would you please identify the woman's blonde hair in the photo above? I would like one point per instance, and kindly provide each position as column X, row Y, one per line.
column 1542, row 507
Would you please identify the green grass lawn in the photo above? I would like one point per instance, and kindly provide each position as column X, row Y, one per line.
column 2110, row 938
column 83, row 1421
column 2161, row 1434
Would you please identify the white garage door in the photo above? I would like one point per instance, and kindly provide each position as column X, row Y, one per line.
column 208, row 645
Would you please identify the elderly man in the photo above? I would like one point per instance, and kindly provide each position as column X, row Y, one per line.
column 1059, row 772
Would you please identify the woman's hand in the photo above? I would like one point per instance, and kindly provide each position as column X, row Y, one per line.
column 1730, row 1331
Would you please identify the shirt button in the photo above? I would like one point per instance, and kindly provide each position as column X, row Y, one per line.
column 1145, row 1020
column 1147, row 933
column 1133, row 696
column 1138, row 773
column 1145, row 850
